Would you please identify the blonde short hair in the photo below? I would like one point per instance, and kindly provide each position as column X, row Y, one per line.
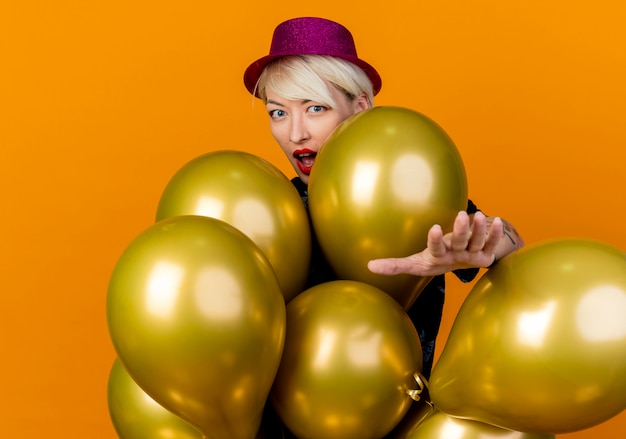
column 298, row 77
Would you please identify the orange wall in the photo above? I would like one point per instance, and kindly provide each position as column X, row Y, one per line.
column 102, row 101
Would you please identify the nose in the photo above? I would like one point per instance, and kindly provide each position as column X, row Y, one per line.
column 298, row 132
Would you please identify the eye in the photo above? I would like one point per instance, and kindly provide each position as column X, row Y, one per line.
column 316, row 108
column 275, row 114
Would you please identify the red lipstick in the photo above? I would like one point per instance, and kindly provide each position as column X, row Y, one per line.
column 305, row 159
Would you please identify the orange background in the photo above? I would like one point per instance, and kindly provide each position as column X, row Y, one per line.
column 102, row 101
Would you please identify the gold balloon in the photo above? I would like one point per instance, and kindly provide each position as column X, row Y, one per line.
column 419, row 411
column 382, row 180
column 255, row 197
column 539, row 342
column 439, row 425
column 348, row 364
column 135, row 415
column 197, row 318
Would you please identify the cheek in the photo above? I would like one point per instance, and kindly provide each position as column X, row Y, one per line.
column 346, row 113
column 281, row 137
column 277, row 133
column 323, row 130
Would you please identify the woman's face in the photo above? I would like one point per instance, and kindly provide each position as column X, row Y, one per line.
column 302, row 126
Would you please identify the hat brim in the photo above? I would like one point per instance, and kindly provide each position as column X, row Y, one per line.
column 253, row 72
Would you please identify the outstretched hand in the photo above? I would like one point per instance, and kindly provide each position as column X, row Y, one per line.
column 472, row 243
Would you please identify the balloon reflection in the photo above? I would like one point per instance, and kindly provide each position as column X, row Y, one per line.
column 359, row 347
column 601, row 314
column 364, row 182
column 249, row 215
column 255, row 218
column 412, row 171
column 208, row 206
column 163, row 287
column 533, row 326
column 364, row 346
column 228, row 304
column 326, row 345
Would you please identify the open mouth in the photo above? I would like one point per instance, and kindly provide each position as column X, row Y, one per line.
column 305, row 159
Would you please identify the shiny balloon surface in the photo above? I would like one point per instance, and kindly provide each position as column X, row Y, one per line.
column 419, row 411
column 197, row 318
column 381, row 181
column 539, row 343
column 255, row 197
column 135, row 415
column 349, row 359
column 439, row 425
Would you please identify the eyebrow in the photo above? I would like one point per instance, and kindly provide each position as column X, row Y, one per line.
column 302, row 102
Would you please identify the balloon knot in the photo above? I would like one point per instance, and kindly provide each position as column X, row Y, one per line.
column 416, row 394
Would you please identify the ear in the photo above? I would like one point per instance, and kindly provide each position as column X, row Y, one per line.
column 361, row 102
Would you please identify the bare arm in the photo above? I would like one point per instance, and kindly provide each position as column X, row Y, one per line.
column 475, row 241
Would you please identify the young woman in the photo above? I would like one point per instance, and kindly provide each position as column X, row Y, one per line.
column 311, row 81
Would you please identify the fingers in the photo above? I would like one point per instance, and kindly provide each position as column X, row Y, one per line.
column 496, row 232
column 388, row 266
column 461, row 232
column 435, row 243
column 478, row 234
